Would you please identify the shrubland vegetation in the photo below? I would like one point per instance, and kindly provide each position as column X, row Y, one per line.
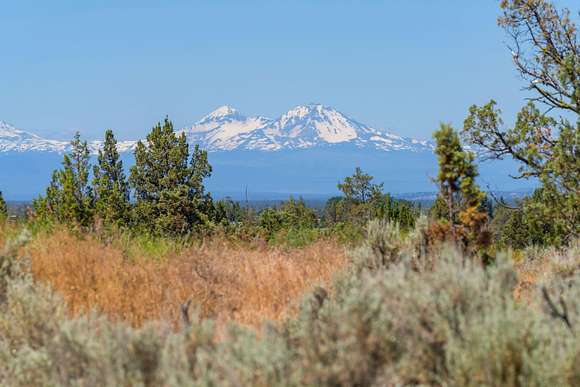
column 405, row 311
column 144, row 279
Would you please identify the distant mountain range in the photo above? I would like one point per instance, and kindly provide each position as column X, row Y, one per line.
column 226, row 129
column 305, row 151
column 304, row 127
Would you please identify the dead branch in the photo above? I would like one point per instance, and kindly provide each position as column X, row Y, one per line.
column 500, row 202
column 185, row 313
column 562, row 315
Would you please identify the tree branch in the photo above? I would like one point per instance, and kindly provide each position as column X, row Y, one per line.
column 562, row 315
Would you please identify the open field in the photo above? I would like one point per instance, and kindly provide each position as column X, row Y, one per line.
column 391, row 316
column 246, row 283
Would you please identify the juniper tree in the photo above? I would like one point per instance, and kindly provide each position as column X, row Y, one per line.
column 359, row 187
column 457, row 186
column 546, row 53
column 228, row 211
column 298, row 214
column 364, row 200
column 170, row 198
column 202, row 210
column 439, row 209
column 110, row 185
column 3, row 208
column 400, row 211
column 69, row 197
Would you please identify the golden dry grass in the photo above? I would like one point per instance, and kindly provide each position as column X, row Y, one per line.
column 248, row 284
column 541, row 265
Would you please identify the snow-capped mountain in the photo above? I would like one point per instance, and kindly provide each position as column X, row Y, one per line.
column 302, row 127
column 17, row 140
column 226, row 129
column 306, row 150
column 314, row 125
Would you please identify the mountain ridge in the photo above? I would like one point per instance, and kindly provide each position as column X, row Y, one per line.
column 226, row 129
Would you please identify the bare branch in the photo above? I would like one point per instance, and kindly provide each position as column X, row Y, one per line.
column 562, row 315
column 185, row 313
column 500, row 202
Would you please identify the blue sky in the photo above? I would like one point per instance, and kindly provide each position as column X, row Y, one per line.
column 401, row 64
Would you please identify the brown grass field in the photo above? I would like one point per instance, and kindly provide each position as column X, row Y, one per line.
column 246, row 283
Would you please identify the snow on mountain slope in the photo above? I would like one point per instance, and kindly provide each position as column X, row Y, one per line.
column 122, row 146
column 16, row 140
column 303, row 127
column 225, row 129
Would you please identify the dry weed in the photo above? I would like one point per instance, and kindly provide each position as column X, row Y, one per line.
column 248, row 284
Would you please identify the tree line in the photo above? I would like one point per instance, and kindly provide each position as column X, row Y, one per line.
column 164, row 193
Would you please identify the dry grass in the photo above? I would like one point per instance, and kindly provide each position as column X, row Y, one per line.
column 248, row 284
column 536, row 266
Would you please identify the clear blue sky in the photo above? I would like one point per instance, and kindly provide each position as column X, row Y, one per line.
column 400, row 64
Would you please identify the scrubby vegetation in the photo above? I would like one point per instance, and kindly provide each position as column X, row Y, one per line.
column 403, row 313
column 144, row 279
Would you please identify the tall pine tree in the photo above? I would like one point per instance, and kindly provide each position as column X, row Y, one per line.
column 69, row 197
column 169, row 191
column 110, row 185
column 457, row 186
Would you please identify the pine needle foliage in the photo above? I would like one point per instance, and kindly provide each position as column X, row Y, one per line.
column 457, row 186
column 69, row 198
column 170, row 197
column 110, row 185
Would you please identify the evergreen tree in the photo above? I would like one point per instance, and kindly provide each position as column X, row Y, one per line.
column 203, row 210
column 399, row 211
column 228, row 211
column 3, row 208
column 546, row 53
column 439, row 209
column 363, row 200
column 333, row 211
column 110, row 186
column 169, row 191
column 69, row 198
column 457, row 186
column 359, row 187
column 297, row 214
column 360, row 194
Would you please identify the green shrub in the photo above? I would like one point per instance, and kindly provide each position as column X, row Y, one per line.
column 296, row 237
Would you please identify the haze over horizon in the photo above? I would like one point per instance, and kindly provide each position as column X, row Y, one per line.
column 71, row 66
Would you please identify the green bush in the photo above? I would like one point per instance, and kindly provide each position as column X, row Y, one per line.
column 296, row 237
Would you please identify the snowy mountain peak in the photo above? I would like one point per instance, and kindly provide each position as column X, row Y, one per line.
column 7, row 130
column 302, row 127
column 315, row 123
column 312, row 110
column 17, row 140
column 222, row 113
column 13, row 139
